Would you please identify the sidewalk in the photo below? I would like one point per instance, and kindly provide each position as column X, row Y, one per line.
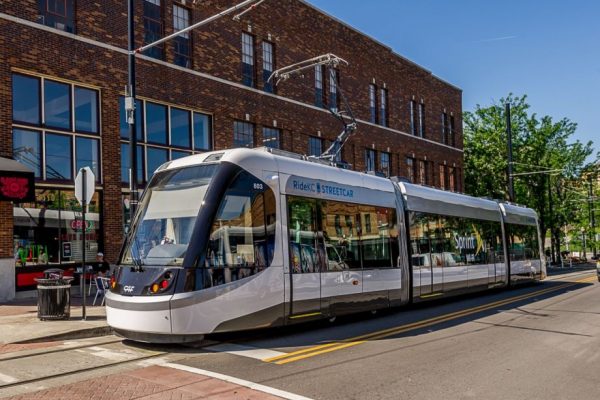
column 19, row 323
column 558, row 269
column 156, row 383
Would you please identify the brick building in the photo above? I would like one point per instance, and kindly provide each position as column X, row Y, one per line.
column 63, row 73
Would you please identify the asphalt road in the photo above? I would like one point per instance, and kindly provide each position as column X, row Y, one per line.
column 534, row 342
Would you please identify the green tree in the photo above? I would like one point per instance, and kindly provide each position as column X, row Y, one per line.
column 540, row 145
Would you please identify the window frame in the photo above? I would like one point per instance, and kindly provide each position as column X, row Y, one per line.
column 269, row 130
column 373, row 103
column 67, row 19
column 268, row 61
column 385, row 163
column 312, row 141
column 370, row 160
column 319, row 87
column 42, row 129
column 186, row 36
column 158, row 51
column 248, row 53
column 383, row 107
column 248, row 130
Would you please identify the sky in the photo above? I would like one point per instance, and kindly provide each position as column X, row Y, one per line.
column 546, row 49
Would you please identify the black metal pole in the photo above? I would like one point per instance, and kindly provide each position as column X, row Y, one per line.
column 550, row 221
column 592, row 216
column 133, row 199
column 511, row 187
column 83, row 269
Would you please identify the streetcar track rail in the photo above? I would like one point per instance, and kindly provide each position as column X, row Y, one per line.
column 79, row 371
column 57, row 349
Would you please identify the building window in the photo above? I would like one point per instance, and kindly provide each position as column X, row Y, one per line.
column 182, row 43
column 156, row 123
column 319, row 99
column 422, row 172
column 247, row 59
column 41, row 227
column 87, row 153
column 421, row 120
column 370, row 159
column 167, row 133
column 180, row 128
column 153, row 27
column 243, row 134
column 333, row 91
column 57, row 104
column 410, row 169
column 315, row 146
column 57, row 14
column 413, row 119
column 202, row 132
column 383, row 107
column 384, row 163
column 445, row 135
column 452, row 179
column 271, row 138
column 373, row 103
column 26, row 100
column 62, row 139
column 86, row 110
column 451, row 132
column 268, row 65
column 27, row 149
column 442, row 177
column 59, row 158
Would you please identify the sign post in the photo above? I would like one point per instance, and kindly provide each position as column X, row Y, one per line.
column 84, row 190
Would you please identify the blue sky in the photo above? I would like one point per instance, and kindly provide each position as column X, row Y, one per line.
column 547, row 49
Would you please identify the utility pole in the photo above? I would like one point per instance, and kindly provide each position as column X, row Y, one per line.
column 511, row 187
column 130, row 111
column 592, row 214
column 550, row 221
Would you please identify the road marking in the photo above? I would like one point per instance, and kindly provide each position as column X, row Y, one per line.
column 238, row 381
column 119, row 355
column 305, row 315
column 7, row 378
column 354, row 341
column 245, row 351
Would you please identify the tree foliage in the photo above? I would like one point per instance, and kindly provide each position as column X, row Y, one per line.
column 539, row 144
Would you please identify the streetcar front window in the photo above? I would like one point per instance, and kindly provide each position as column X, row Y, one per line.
column 168, row 213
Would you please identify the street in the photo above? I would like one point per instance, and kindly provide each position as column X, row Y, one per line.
column 534, row 342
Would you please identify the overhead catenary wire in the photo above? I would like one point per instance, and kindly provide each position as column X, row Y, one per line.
column 332, row 62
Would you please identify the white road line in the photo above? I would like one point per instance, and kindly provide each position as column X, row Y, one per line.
column 237, row 381
column 7, row 378
column 244, row 351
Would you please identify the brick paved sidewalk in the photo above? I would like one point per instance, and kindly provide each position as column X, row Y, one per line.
column 20, row 323
column 154, row 382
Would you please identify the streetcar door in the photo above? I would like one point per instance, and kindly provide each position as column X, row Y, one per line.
column 307, row 256
column 420, row 234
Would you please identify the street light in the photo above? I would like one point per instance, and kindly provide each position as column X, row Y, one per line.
column 131, row 82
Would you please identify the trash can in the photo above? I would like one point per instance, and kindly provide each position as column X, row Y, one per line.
column 54, row 297
column 53, row 273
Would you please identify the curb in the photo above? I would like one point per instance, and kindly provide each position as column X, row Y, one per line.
column 75, row 334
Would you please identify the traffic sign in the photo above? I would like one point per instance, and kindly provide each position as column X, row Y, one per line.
column 86, row 174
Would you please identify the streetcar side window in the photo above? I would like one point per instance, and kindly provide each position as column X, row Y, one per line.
column 329, row 235
column 242, row 236
column 522, row 242
column 447, row 241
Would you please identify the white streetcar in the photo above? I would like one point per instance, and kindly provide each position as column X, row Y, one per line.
column 245, row 239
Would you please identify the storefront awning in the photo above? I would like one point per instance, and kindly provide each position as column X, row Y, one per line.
column 17, row 182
